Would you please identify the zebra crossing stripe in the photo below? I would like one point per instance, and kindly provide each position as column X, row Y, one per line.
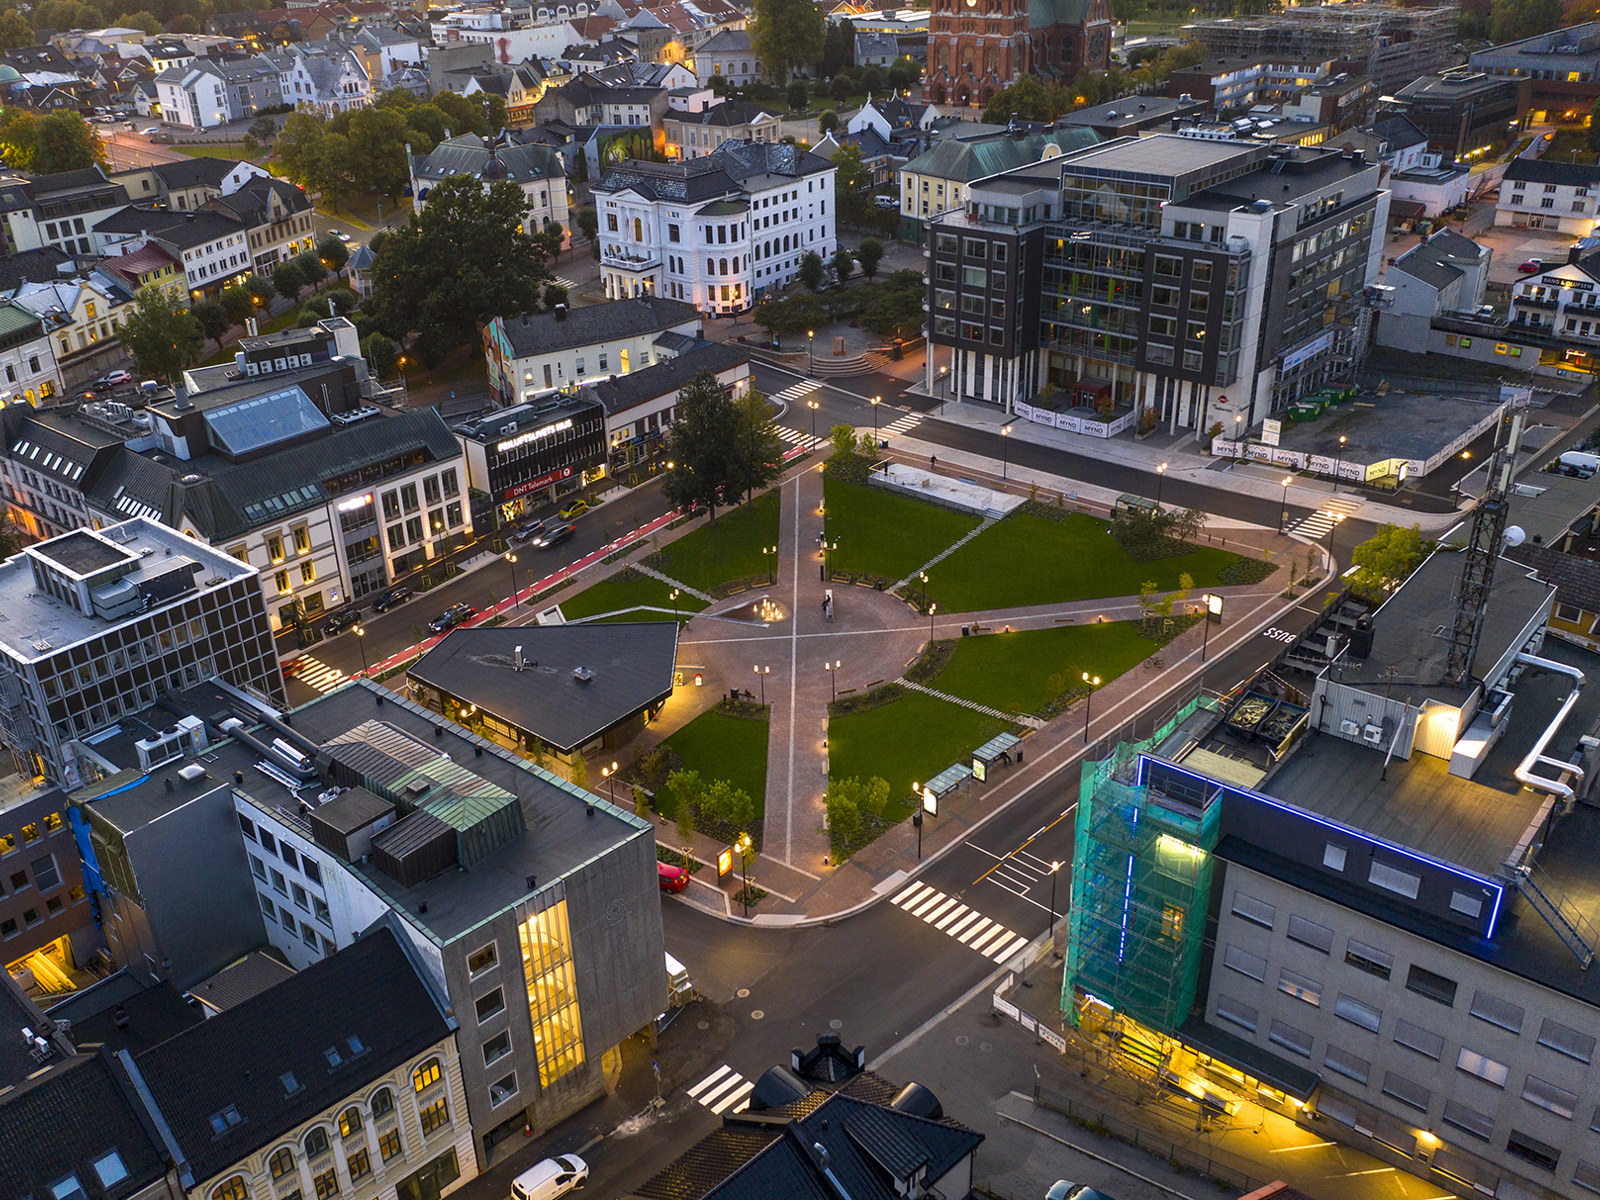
column 933, row 917
column 972, row 915
column 915, row 887
column 988, row 937
column 738, row 1094
column 927, row 904
column 965, row 937
column 950, row 916
column 1008, row 951
column 954, row 919
column 695, row 1091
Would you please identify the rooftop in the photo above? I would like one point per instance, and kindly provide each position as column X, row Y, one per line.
column 1163, row 155
column 547, row 333
column 640, row 387
column 1133, row 110
column 629, row 665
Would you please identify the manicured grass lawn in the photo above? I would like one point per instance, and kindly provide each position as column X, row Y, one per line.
column 609, row 595
column 1027, row 560
column 1011, row 671
column 233, row 150
column 908, row 741
column 886, row 534
column 730, row 549
column 722, row 747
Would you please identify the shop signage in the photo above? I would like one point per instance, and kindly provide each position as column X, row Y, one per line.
column 533, row 485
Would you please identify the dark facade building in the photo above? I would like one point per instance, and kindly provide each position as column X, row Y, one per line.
column 1461, row 111
column 973, row 55
column 47, row 925
column 535, row 452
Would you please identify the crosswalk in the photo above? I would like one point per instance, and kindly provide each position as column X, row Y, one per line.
column 796, row 392
column 722, row 1090
column 969, row 927
column 1018, row 872
column 1333, row 510
column 315, row 673
column 567, row 283
column 904, row 425
column 795, row 437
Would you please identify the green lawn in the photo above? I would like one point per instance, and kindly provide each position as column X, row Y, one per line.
column 730, row 549
column 722, row 747
column 882, row 533
column 1027, row 559
column 611, row 595
column 233, row 150
column 905, row 742
column 1011, row 671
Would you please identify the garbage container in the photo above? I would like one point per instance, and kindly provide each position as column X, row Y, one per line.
column 965, row 631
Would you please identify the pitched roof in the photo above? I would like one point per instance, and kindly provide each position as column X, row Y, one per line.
column 727, row 41
column 1438, row 260
column 252, row 203
column 356, row 1016
column 728, row 114
column 1540, row 170
column 182, row 229
column 1576, row 579
column 546, row 333
column 641, row 387
column 723, row 170
column 31, row 266
column 966, row 161
column 466, row 155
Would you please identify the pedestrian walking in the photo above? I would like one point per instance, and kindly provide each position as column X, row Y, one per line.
column 933, row 462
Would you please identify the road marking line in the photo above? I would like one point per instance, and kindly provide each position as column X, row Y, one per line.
column 1307, row 1146
column 927, row 904
column 733, row 1097
column 963, row 938
column 941, row 910
column 915, row 887
column 972, row 915
column 948, row 917
column 1002, row 955
column 916, row 894
column 1374, row 1171
column 717, row 1074
column 723, row 1090
column 1000, row 929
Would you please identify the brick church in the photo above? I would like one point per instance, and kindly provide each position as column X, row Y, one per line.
column 977, row 47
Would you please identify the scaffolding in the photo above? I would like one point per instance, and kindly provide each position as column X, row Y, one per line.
column 1141, row 884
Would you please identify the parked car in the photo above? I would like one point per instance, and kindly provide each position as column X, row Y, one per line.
column 885, row 202
column 529, row 528
column 395, row 595
column 671, row 878
column 1532, row 267
column 452, row 616
column 114, row 378
column 149, row 131
column 1485, row 312
column 551, row 1178
column 340, row 621
column 1061, row 1189
column 573, row 508
column 553, row 536
column 342, row 236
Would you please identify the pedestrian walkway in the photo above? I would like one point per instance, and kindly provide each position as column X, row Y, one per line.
column 723, row 1090
column 315, row 673
column 1316, row 526
column 904, row 424
column 795, row 437
column 1031, row 722
column 570, row 285
column 968, row 926
column 794, row 393
column 671, row 582
column 1019, row 871
column 945, row 553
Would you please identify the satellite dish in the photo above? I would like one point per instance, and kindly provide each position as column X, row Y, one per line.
column 1515, row 536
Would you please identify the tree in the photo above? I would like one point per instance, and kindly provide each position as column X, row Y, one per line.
column 846, row 802
column 588, row 222
column 812, row 272
column 894, row 308
column 300, row 150
column 462, row 261
column 843, row 262
column 703, row 448
column 237, row 303
column 1029, row 100
column 263, row 127
column 686, row 788
column 851, row 184
column 15, row 32
column 162, row 335
column 213, row 318
column 844, row 439
column 144, row 20
column 19, row 134
column 904, row 74
column 870, row 80
column 554, row 295
column 288, row 279
column 759, row 460
column 1511, row 20
column 377, row 149
column 786, row 35
column 333, row 253
column 721, row 801
column 827, row 121
column 842, row 87
column 64, row 142
column 1388, row 557
column 259, row 288
column 311, row 268
column 838, row 48
column 799, row 99
column 382, row 355
column 869, row 254
column 686, row 828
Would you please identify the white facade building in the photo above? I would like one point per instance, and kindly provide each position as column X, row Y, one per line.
column 1536, row 194
column 193, row 96
column 716, row 232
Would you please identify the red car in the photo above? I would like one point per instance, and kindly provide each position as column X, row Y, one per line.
column 1532, row 267
column 293, row 667
column 671, row 879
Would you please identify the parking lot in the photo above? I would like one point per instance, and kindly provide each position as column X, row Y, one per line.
column 1512, row 247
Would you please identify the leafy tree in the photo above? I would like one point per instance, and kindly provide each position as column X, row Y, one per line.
column 796, row 314
column 703, row 447
column 687, row 789
column 1510, row 20
column 554, row 294
column 382, row 355
column 588, row 222
column 847, row 801
column 1028, row 99
column 19, row 134
column 853, row 177
column 1388, row 557
column 143, row 20
column 870, row 80
column 259, row 288
column 15, row 32
column 213, row 318
column 686, row 827
column 721, row 801
column 844, row 439
column 237, row 303
column 812, row 272
column 842, row 87
column 786, row 35
column 869, row 254
column 263, row 127
column 300, row 150
column 904, row 74
column 161, row 334
column 827, row 121
column 462, row 261
column 311, row 268
column 63, row 141
column 67, row 14
column 1154, row 533
column 333, row 253
column 799, row 99
column 465, row 115
column 377, row 151
column 838, row 48
column 842, row 262
column 759, row 458
column 288, row 279
column 894, row 309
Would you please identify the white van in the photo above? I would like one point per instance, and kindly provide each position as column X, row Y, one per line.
column 551, row 1178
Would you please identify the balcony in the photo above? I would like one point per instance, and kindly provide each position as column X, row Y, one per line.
column 641, row 259
column 1549, row 305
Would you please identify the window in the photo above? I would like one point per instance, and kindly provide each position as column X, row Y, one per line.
column 1392, row 879
column 496, row 1047
column 1296, row 1041
column 302, row 539
column 300, row 898
column 1434, row 987
column 1368, row 958
column 426, row 1075
column 281, row 1162
column 1484, row 1067
column 1350, row 1009
column 382, row 1104
column 1409, row 1093
column 503, row 1089
column 489, row 1005
column 389, row 1144
column 327, row 1184
column 1415, row 1037
column 1548, row 1096
column 1469, row 1120
column 1532, row 1150
column 1350, row 1065
column 349, row 1119
column 435, row 1115
column 1496, row 1011
column 1333, row 857
column 247, row 826
column 232, row 1189
column 1561, row 1039
column 1245, row 963
column 358, row 1164
column 1308, row 933
column 319, row 908
column 316, row 1143
column 1257, row 912
column 1229, row 1009
column 1300, row 987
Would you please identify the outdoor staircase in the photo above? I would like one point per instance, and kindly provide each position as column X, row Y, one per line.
column 1551, row 903
column 838, row 368
column 671, row 582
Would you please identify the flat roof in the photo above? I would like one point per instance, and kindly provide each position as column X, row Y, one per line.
column 1164, row 154
column 629, row 667
column 1404, row 422
column 81, row 553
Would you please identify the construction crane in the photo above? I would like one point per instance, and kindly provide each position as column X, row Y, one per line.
column 1483, row 544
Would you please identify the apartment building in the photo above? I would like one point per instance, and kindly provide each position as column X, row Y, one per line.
column 47, row 927
column 1540, row 194
column 716, row 232
column 194, row 96
column 214, row 248
column 1446, row 273
column 58, row 210
column 693, row 135
column 726, row 55
column 1562, row 303
column 277, row 216
column 328, row 76
column 1212, row 282
column 641, row 407
column 81, row 315
column 1228, row 85
column 1556, row 73
column 27, row 358
column 1463, row 113
column 536, row 452
column 536, row 169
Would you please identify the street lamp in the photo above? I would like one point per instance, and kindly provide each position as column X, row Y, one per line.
column 1339, row 466
column 512, row 559
column 1088, row 701
column 923, row 575
column 772, row 566
column 1238, row 434
column 1161, row 477
column 833, row 675
column 361, row 640
column 1283, row 505
column 811, row 349
column 761, row 674
column 742, row 845
column 943, row 375
column 1337, row 518
column 812, row 405
column 932, row 608
column 1055, row 869
column 674, row 604
column 1005, row 453
column 875, row 401
column 610, row 774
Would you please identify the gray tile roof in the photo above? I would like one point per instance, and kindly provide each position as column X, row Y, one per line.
column 546, row 333
column 725, row 169
column 1540, row 170
column 1576, row 579
column 465, row 155
column 727, row 41
column 966, row 161
column 640, row 387
column 181, row 229
column 1439, row 260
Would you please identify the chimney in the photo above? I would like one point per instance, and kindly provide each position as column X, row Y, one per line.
column 519, row 658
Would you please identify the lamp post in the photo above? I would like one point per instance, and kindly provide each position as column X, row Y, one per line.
column 772, row 566
column 1211, row 604
column 742, row 845
column 674, row 604
column 1088, row 702
column 827, row 554
column 1055, row 869
column 761, row 674
column 1238, row 435
column 512, row 559
column 361, row 640
column 812, row 405
column 1283, row 505
column 944, row 374
column 875, row 401
column 811, row 349
column 1161, row 477
column 610, row 774
column 1337, row 518
column 1005, row 452
column 1339, row 466
column 833, row 675
column 932, row 608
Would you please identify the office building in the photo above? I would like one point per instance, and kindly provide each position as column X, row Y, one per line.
column 534, row 453
column 47, row 927
column 101, row 622
column 1464, row 113
column 972, row 55
column 1212, row 282
column 1557, row 74
column 717, row 232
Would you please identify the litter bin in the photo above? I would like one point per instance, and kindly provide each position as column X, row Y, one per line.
column 895, row 351
column 965, row 631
